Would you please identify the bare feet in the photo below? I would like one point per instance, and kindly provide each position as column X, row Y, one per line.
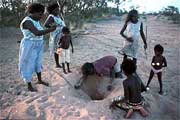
column 30, row 88
column 143, row 112
column 160, row 92
column 58, row 66
column 65, row 72
column 43, row 83
column 129, row 113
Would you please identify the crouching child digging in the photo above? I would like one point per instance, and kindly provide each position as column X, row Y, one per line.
column 105, row 66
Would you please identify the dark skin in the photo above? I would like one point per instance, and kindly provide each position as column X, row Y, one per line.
column 30, row 26
column 124, row 99
column 84, row 77
column 134, row 20
column 63, row 64
column 158, row 58
column 49, row 22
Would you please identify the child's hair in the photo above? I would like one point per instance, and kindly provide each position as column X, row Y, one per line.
column 87, row 69
column 51, row 7
column 130, row 15
column 65, row 30
column 128, row 66
column 35, row 8
column 159, row 48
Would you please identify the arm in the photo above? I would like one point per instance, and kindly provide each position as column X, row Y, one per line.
column 122, row 33
column 49, row 22
column 165, row 62
column 126, row 91
column 80, row 82
column 59, row 42
column 30, row 26
column 152, row 60
column 143, row 36
column 143, row 88
column 71, row 44
column 112, row 76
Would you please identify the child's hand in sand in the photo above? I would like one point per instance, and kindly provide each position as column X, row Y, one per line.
column 58, row 51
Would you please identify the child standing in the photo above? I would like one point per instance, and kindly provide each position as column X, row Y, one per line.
column 133, row 87
column 134, row 28
column 158, row 62
column 31, row 47
column 54, row 18
column 63, row 46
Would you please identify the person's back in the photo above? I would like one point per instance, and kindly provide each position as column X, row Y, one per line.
column 133, row 85
column 65, row 41
column 104, row 65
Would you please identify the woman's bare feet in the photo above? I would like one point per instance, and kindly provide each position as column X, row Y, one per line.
column 43, row 83
column 30, row 88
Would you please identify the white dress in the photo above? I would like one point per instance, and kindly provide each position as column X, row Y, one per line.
column 31, row 51
column 56, row 34
column 131, row 48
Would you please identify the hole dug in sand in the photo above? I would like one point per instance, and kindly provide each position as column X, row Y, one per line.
column 93, row 84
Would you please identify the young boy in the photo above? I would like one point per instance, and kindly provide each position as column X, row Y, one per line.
column 63, row 46
column 107, row 65
column 132, row 91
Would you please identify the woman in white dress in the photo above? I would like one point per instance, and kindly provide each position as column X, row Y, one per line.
column 32, row 44
column 54, row 18
column 131, row 31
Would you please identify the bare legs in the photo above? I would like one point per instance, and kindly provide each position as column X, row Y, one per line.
column 30, row 88
column 160, row 82
column 40, row 80
column 159, row 75
column 56, row 57
column 150, row 78
column 64, row 70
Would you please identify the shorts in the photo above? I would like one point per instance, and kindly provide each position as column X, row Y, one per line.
column 65, row 56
